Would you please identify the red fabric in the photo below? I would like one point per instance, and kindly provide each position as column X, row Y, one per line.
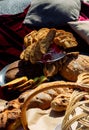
column 12, row 32
column 84, row 14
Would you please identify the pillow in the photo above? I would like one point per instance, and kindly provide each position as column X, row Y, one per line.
column 13, row 6
column 51, row 13
column 81, row 28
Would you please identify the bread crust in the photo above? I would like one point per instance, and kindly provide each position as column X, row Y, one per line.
column 73, row 66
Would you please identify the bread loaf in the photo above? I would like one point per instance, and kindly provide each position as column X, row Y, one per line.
column 43, row 99
column 61, row 102
column 22, row 68
column 73, row 66
column 10, row 114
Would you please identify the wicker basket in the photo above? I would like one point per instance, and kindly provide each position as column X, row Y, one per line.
column 77, row 113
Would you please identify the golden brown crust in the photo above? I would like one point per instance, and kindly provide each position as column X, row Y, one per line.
column 14, row 83
column 60, row 102
column 30, row 38
column 39, row 45
column 43, row 99
column 14, row 125
column 46, row 41
column 51, row 69
column 73, row 66
column 65, row 39
column 10, row 114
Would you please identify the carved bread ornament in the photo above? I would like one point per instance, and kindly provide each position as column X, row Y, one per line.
column 69, row 67
column 35, row 36
column 37, row 43
column 51, row 93
column 30, row 38
column 55, row 84
column 65, row 39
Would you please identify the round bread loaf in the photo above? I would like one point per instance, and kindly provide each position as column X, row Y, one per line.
column 22, row 68
column 73, row 66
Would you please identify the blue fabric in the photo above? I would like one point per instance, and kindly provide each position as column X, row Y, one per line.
column 52, row 13
column 13, row 6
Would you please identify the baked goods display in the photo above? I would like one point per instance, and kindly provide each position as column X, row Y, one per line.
column 30, row 84
column 38, row 43
column 12, row 109
column 56, row 84
column 58, row 90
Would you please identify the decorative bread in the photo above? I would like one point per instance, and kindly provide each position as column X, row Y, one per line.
column 30, row 38
column 37, row 43
column 73, row 66
column 65, row 39
column 40, row 45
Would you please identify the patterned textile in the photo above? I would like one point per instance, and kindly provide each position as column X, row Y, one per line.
column 12, row 32
column 13, row 6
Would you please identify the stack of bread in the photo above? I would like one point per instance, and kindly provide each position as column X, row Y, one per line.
column 33, row 83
